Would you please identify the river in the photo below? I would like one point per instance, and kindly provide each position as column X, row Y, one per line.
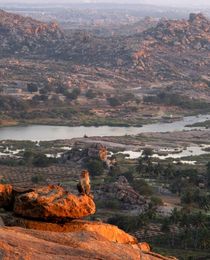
column 48, row 132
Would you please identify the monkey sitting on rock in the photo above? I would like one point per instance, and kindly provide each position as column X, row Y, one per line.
column 84, row 183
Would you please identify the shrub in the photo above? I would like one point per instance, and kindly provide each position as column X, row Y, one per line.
column 90, row 94
column 41, row 160
column 142, row 187
column 95, row 167
column 36, row 179
column 32, row 87
column 113, row 101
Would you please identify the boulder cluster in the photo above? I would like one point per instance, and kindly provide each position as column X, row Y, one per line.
column 123, row 192
column 24, row 35
column 44, row 223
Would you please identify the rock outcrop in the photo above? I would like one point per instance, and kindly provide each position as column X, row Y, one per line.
column 27, row 239
column 174, row 49
column 83, row 152
column 122, row 191
column 53, row 202
column 158, row 46
column 24, row 35
column 110, row 232
column 18, row 243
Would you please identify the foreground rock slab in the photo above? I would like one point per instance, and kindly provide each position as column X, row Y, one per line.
column 18, row 243
column 110, row 232
column 53, row 202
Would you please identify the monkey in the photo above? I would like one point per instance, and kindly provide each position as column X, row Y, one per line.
column 84, row 183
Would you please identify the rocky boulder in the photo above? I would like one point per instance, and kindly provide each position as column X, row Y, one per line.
column 53, row 203
column 122, row 191
column 19, row 243
column 126, row 193
column 110, row 232
column 81, row 152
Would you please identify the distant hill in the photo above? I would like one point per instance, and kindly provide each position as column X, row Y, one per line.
column 23, row 35
column 173, row 49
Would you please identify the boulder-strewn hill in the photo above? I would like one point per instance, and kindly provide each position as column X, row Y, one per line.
column 175, row 47
column 193, row 33
column 24, row 35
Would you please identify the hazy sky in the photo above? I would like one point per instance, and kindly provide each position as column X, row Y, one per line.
column 199, row 3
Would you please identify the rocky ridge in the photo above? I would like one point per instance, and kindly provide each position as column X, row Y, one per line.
column 173, row 49
column 24, row 35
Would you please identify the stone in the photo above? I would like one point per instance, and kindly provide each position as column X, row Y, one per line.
column 53, row 203
column 122, row 191
column 110, row 232
column 144, row 247
column 28, row 244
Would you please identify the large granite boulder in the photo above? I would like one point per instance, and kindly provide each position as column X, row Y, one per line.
column 29, row 244
column 110, row 232
column 53, row 203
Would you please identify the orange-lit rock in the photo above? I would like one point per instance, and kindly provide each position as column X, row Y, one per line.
column 144, row 247
column 53, row 202
column 27, row 244
column 103, row 153
column 110, row 232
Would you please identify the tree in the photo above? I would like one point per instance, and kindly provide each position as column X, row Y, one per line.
column 208, row 172
column 95, row 167
column 28, row 157
column 128, row 175
column 147, row 153
column 145, row 164
column 158, row 169
column 73, row 94
column 175, row 216
column 142, row 187
column 32, row 87
column 41, row 160
column 114, row 171
column 43, row 91
column 113, row 101
column 140, row 167
column 155, row 202
column 90, row 94
column 169, row 171
column 37, row 179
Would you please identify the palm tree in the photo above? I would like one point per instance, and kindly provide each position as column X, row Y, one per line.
column 175, row 216
column 147, row 153
column 140, row 167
